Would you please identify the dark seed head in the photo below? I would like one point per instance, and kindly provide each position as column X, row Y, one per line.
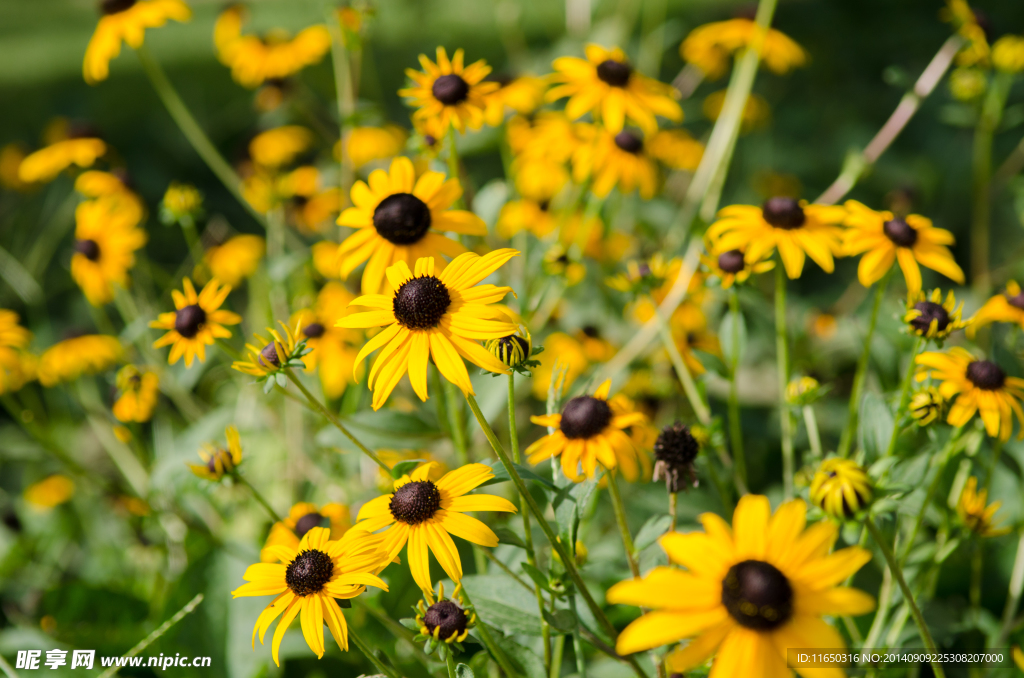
column 629, row 142
column 307, row 523
column 420, row 303
column 90, row 249
column 447, row 617
column 986, row 375
column 115, row 6
column 615, row 73
column 782, row 212
column 450, row 89
column 757, row 595
column 1016, row 301
column 313, row 330
column 900, row 232
column 415, row 502
column 674, row 452
column 189, row 320
column 402, row 219
column 269, row 357
column 930, row 311
column 429, row 139
column 585, row 417
column 309, row 572
column 731, row 261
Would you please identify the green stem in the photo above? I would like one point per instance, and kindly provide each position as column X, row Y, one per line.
column 981, row 180
column 735, row 423
column 456, row 427
column 192, row 131
column 368, row 651
column 673, row 499
column 195, row 248
column 850, row 430
column 343, row 90
column 258, row 497
column 813, row 435
column 782, row 351
column 453, row 165
column 689, row 387
column 974, row 593
column 485, row 635
column 908, row 595
column 319, row 407
column 556, row 662
column 620, row 518
column 449, row 660
column 940, row 461
column 908, row 379
column 1013, row 594
column 577, row 643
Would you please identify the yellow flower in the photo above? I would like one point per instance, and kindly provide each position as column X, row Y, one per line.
column 254, row 60
column 967, row 84
column 565, row 350
column 449, row 93
column 182, row 203
column 236, row 259
column 548, row 135
column 979, row 385
column 45, row 164
column 515, row 350
column 975, row 515
column 196, row 321
column 106, row 237
column 268, row 355
column 590, row 429
column 140, row 390
column 425, row 514
column 606, row 85
column 676, row 149
column 616, row 160
column 538, row 178
column 965, row 20
column 302, row 518
column 12, row 334
column 50, row 492
column 565, row 263
column 930, row 317
column 731, row 266
column 1008, row 54
column 709, row 47
column 756, row 111
column 11, row 157
column 884, row 238
column 17, row 367
column 308, row 579
column 525, row 215
column 279, row 146
column 795, row 228
column 333, row 350
column 804, row 391
column 690, row 332
column 1005, row 307
column 325, row 259
column 363, row 145
column 748, row 594
column 69, row 359
column 127, row 21
column 840, row 488
column 313, row 214
column 446, row 619
column 217, row 461
column 523, row 95
column 926, row 405
column 440, row 317
column 400, row 219
column 1018, row 657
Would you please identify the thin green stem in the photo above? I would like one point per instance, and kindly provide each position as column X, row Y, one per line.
column 456, row 426
column 454, row 171
column 908, row 379
column 940, row 461
column 700, row 408
column 449, row 660
column 782, row 353
column 981, row 180
column 314, row 404
column 577, row 643
column 496, row 652
column 850, row 430
column 813, row 435
column 505, row 568
column 974, row 593
column 897, row 573
column 735, row 422
column 620, row 519
column 1013, row 595
column 673, row 499
column 556, row 662
column 258, row 497
column 368, row 651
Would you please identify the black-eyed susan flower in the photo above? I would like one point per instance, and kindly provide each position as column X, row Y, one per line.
column 67, row 360
column 980, row 386
column 106, row 238
column 99, row 184
column 564, row 262
column 400, row 218
column 425, row 514
column 440, row 316
column 449, row 93
column 565, row 350
column 332, row 349
column 747, row 594
column 976, row 514
column 47, row 163
column 531, row 216
column 1005, row 307
column 302, row 518
column 930, row 317
column 138, row 392
column 12, row 334
column 691, row 333
column 280, row 145
column 219, row 461
column 444, row 621
column 549, row 135
column 731, row 266
column 589, row 430
column 196, row 322
column 927, row 405
column 17, row 366
column 308, row 579
column 606, row 85
column 363, row 145
column 235, row 259
column 181, row 204
column 756, row 110
column 675, row 451
column 709, row 47
column 841, row 488
column 641, row 277
column 884, row 238
column 314, row 213
column 522, row 95
column 617, row 160
column 976, row 49
column 795, row 228
column 690, row 309
column 269, row 355
column 126, row 21
column 254, row 60
column 50, row 492
column 676, row 149
column 538, row 178
column 516, row 351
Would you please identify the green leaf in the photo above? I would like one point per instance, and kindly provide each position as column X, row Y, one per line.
column 503, row 603
column 537, row 576
column 507, row 536
column 651, row 531
column 463, row 671
column 563, row 621
column 725, row 330
column 570, row 505
column 875, row 425
column 409, row 623
column 389, row 428
column 403, row 467
column 524, row 659
column 502, row 476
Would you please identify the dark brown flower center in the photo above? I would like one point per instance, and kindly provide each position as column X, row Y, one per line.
column 629, row 142
column 930, row 311
column 269, row 357
column 420, row 303
column 313, row 330
column 986, row 375
column 115, row 6
column 676, row 445
column 615, row 73
column 757, row 595
column 307, row 523
column 450, row 89
column 415, row 502
column 513, row 349
column 90, row 249
column 1017, row 301
column 783, row 212
column 585, row 417
column 309, row 572
column 731, row 261
column 402, row 219
column 189, row 320
column 900, row 232
column 446, row 616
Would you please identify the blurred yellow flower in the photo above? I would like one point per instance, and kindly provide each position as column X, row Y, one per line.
column 539, row 179
column 139, row 392
column 17, row 366
column 67, row 360
column 523, row 95
column 568, row 352
column 565, row 263
column 127, row 21
column 1008, row 54
column 676, row 149
column 45, row 164
column 731, row 266
column 525, row 215
column 616, row 161
column 302, row 518
column 841, row 488
column 449, row 93
column 967, row 84
column 217, row 461
column 106, row 237
column 709, row 47
column 181, row 202
column 363, row 145
column 11, row 157
column 279, row 146
column 926, row 405
column 333, row 349
column 976, row 48
column 1005, row 307
column 269, row 354
column 929, row 316
column 196, row 322
column 975, row 514
column 50, row 492
column 236, row 259
column 756, row 111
